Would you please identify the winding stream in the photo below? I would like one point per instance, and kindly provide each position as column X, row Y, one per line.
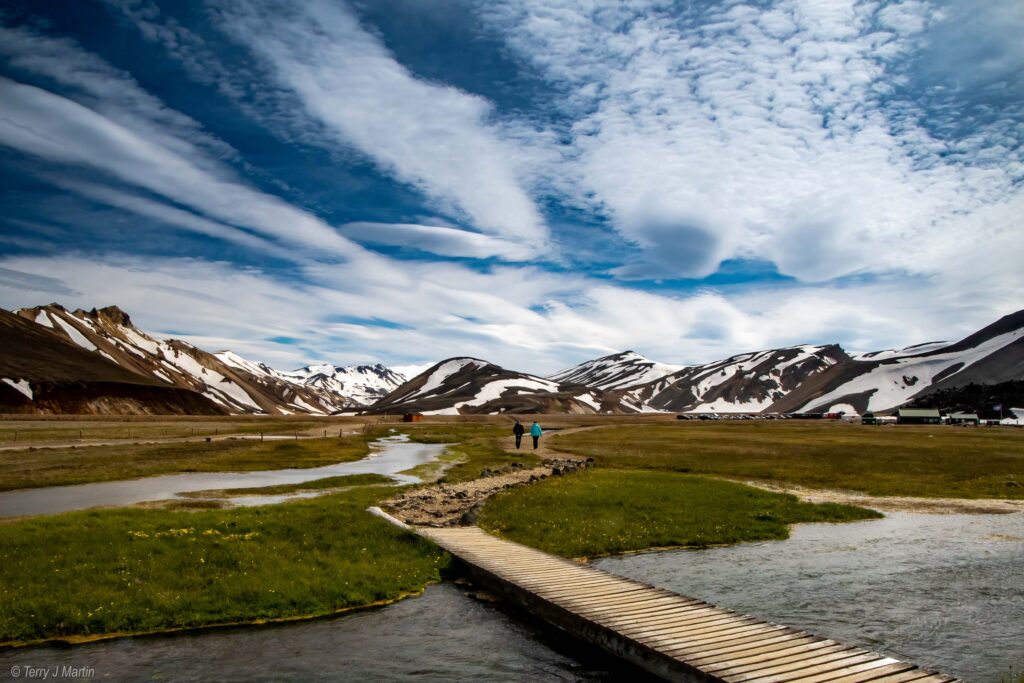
column 388, row 456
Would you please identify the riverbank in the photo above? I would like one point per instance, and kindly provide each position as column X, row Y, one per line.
column 91, row 574
column 24, row 469
column 602, row 512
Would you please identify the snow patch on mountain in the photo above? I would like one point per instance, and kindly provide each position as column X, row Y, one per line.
column 76, row 336
column 499, row 388
column 897, row 380
column 617, row 371
column 22, row 386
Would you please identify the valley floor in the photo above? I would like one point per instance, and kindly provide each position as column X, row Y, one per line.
column 657, row 483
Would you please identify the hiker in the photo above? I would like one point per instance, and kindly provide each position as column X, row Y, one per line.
column 518, row 430
column 535, row 432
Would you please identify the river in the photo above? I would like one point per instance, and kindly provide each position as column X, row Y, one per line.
column 943, row 591
column 389, row 456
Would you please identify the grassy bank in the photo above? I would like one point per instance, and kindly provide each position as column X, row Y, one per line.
column 475, row 447
column 901, row 461
column 600, row 512
column 59, row 466
column 124, row 571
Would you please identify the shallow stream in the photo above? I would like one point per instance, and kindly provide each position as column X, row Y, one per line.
column 943, row 591
column 389, row 456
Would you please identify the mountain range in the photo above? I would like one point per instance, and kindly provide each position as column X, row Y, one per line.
column 97, row 361
column 230, row 383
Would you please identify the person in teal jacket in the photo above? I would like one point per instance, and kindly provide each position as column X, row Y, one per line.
column 535, row 432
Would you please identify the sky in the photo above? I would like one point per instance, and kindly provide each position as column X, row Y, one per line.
column 533, row 182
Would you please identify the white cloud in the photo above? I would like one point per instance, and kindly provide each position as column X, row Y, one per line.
column 55, row 128
column 522, row 318
column 122, row 131
column 169, row 215
column 735, row 132
column 441, row 240
column 435, row 137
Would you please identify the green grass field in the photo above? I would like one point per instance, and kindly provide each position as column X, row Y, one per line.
column 606, row 511
column 59, row 466
column 84, row 574
column 40, row 431
column 900, row 461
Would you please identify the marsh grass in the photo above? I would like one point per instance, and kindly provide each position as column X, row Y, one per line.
column 601, row 512
column 61, row 466
column 900, row 461
column 134, row 570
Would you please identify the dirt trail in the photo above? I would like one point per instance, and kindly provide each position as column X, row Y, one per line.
column 934, row 506
column 454, row 504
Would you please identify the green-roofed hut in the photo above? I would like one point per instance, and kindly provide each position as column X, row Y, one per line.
column 918, row 416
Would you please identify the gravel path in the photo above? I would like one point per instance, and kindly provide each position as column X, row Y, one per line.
column 458, row 504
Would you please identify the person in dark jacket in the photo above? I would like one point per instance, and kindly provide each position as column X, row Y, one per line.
column 535, row 432
column 518, row 430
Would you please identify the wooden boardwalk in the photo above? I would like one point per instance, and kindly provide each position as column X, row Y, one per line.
column 669, row 635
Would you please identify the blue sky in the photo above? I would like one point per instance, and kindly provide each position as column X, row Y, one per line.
column 535, row 182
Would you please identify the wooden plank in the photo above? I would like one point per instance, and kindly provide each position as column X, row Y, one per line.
column 671, row 626
column 612, row 604
column 618, row 601
column 795, row 671
column 655, row 617
column 862, row 673
column 592, row 592
column 664, row 635
column 708, row 662
column 744, row 645
column 915, row 675
column 784, row 654
column 683, row 606
column 651, row 617
column 845, row 666
column 751, row 632
column 593, row 586
column 669, row 640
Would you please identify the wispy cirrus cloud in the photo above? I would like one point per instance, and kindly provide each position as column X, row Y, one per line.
column 122, row 131
column 441, row 240
column 435, row 137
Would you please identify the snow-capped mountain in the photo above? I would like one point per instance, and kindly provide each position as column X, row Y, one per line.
column 363, row 385
column 42, row 371
column 460, row 386
column 236, row 384
column 884, row 381
column 617, row 371
column 814, row 378
column 749, row 382
column 122, row 369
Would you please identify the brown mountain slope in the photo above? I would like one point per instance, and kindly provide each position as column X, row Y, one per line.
column 232, row 383
column 40, row 372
